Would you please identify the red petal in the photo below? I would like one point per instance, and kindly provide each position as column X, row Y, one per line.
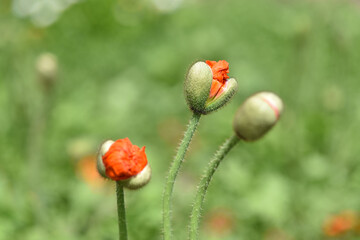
column 124, row 160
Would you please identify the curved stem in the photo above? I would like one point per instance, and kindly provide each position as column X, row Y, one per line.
column 121, row 211
column 174, row 169
column 204, row 183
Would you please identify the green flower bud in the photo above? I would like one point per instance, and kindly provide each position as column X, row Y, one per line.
column 257, row 115
column 207, row 86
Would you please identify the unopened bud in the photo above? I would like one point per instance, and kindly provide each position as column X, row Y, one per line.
column 207, row 86
column 257, row 115
column 47, row 68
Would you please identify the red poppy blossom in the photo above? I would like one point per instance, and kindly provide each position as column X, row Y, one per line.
column 124, row 160
column 220, row 70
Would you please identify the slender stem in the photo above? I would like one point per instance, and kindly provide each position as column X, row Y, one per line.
column 38, row 115
column 174, row 169
column 204, row 183
column 121, row 211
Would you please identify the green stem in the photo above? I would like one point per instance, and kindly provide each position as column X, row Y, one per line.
column 121, row 211
column 174, row 169
column 204, row 183
column 39, row 116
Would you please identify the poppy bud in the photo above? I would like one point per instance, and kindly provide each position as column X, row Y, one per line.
column 208, row 87
column 123, row 162
column 257, row 115
column 47, row 68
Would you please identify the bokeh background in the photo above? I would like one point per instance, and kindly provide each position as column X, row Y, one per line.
column 120, row 70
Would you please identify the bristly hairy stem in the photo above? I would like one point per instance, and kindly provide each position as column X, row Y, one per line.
column 174, row 169
column 204, row 183
column 121, row 211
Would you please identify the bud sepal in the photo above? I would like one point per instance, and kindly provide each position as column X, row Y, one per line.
column 197, row 86
column 229, row 90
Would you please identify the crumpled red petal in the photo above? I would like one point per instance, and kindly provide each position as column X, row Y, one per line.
column 220, row 70
column 124, row 160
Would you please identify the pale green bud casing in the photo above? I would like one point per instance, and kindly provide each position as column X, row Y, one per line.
column 257, row 115
column 197, row 86
column 139, row 180
column 102, row 151
column 231, row 87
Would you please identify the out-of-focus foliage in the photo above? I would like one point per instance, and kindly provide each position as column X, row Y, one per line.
column 121, row 69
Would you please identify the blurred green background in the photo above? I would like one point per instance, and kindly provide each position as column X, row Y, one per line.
column 121, row 66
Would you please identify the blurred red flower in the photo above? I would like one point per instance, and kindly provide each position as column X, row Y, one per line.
column 219, row 70
column 124, row 160
column 340, row 224
column 220, row 222
column 86, row 168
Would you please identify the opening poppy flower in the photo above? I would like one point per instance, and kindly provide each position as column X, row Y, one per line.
column 124, row 160
column 220, row 70
column 208, row 87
